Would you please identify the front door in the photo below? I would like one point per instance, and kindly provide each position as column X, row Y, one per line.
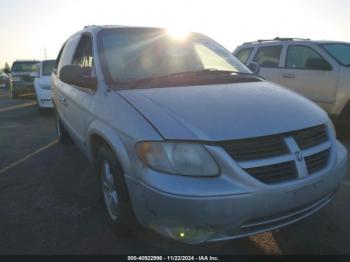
column 309, row 74
column 268, row 57
column 78, row 98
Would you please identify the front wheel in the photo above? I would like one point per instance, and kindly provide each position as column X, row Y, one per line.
column 14, row 95
column 41, row 110
column 114, row 192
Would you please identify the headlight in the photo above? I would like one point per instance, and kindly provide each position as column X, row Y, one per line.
column 45, row 87
column 16, row 79
column 177, row 158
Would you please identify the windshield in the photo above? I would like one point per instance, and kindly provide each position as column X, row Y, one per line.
column 341, row 52
column 48, row 67
column 132, row 54
column 22, row 67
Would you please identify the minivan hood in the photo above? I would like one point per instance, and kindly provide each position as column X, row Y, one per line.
column 224, row 111
column 45, row 80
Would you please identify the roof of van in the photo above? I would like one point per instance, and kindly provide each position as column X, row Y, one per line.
column 26, row 60
column 289, row 39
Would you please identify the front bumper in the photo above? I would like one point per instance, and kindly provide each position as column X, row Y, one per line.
column 22, row 87
column 167, row 204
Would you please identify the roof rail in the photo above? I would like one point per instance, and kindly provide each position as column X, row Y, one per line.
column 87, row 26
column 290, row 39
column 27, row 60
column 277, row 39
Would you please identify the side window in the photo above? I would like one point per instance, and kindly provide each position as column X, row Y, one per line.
column 268, row 56
column 83, row 54
column 58, row 59
column 304, row 57
column 244, row 54
column 67, row 51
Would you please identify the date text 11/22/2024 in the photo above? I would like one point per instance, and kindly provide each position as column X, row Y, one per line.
column 173, row 258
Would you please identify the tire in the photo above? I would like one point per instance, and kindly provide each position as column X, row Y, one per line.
column 14, row 95
column 63, row 136
column 41, row 110
column 121, row 218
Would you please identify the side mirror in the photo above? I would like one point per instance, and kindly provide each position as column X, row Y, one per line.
column 7, row 71
column 254, row 67
column 78, row 76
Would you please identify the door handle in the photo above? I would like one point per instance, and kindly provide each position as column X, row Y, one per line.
column 62, row 100
column 288, row 75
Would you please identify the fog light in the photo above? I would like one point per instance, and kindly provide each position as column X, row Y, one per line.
column 187, row 235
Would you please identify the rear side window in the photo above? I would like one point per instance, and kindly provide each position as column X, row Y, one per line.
column 268, row 56
column 304, row 57
column 244, row 54
column 83, row 54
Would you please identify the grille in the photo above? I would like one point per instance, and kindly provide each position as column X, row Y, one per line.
column 274, row 173
column 46, row 87
column 317, row 162
column 256, row 148
column 28, row 78
column 270, row 147
column 310, row 137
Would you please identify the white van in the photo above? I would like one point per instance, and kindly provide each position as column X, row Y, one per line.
column 42, row 84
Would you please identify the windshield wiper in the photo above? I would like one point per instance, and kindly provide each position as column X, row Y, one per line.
column 218, row 71
column 195, row 74
column 208, row 71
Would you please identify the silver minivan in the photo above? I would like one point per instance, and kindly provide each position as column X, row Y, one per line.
column 186, row 141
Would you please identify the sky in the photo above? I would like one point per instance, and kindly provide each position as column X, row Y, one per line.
column 27, row 28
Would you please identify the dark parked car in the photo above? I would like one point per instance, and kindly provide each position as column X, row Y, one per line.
column 22, row 77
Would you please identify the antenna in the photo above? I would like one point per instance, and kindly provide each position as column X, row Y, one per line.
column 45, row 52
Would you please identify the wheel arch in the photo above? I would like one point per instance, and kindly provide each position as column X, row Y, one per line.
column 100, row 134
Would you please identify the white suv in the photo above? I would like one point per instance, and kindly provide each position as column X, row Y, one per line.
column 186, row 140
column 318, row 70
